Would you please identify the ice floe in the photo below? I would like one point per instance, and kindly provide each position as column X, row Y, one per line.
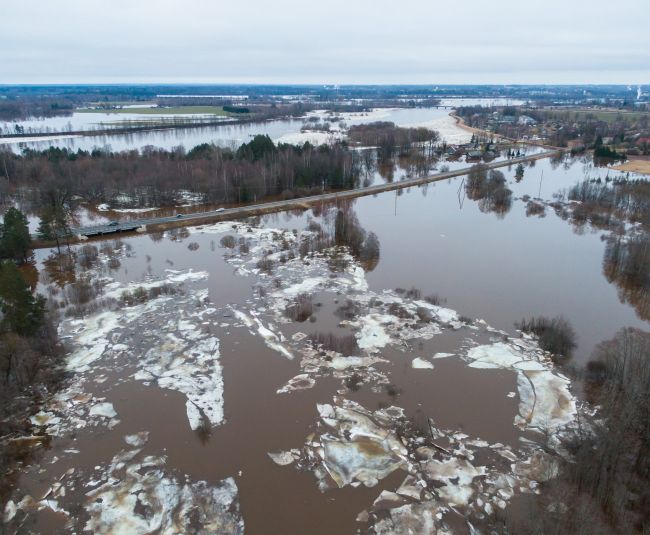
column 546, row 403
column 301, row 381
column 420, row 363
column 103, row 409
column 164, row 338
column 353, row 446
column 140, row 498
column 356, row 447
column 283, row 458
column 168, row 342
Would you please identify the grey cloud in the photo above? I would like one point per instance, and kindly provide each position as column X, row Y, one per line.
column 347, row 41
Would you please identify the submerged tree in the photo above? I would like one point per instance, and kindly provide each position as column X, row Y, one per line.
column 626, row 263
column 490, row 189
column 555, row 335
column 519, row 172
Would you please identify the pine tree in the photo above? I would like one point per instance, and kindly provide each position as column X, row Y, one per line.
column 22, row 313
column 54, row 223
column 15, row 241
column 45, row 230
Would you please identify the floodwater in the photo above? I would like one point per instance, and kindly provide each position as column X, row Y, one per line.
column 231, row 135
column 199, row 369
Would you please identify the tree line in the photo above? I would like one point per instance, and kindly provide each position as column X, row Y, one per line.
column 29, row 348
column 155, row 177
column 604, row 487
column 389, row 138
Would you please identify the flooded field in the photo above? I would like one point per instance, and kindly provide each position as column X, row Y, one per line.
column 348, row 368
column 231, row 135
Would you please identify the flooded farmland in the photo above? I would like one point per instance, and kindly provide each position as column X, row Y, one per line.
column 228, row 135
column 351, row 368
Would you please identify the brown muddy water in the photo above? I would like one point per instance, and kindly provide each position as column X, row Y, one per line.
column 402, row 413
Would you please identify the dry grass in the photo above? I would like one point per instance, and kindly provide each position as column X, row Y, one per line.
column 635, row 166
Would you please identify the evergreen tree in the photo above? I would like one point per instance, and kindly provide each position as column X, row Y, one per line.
column 598, row 142
column 54, row 223
column 45, row 227
column 22, row 313
column 257, row 148
column 15, row 241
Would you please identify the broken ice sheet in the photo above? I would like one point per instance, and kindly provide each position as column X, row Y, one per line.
column 546, row 402
column 458, row 475
column 271, row 339
column 356, row 446
column 300, row 382
column 70, row 409
column 353, row 446
column 141, row 497
column 164, row 338
column 382, row 319
column 372, row 335
column 364, row 459
column 103, row 409
column 283, row 458
column 411, row 519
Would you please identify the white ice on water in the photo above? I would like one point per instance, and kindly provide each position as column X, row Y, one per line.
column 422, row 364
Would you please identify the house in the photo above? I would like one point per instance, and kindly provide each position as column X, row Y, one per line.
column 575, row 144
column 474, row 154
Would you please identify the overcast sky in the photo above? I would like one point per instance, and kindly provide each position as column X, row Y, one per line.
column 332, row 41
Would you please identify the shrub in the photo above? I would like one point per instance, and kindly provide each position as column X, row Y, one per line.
column 228, row 242
column 301, row 309
column 265, row 264
column 346, row 344
column 81, row 292
column 534, row 208
column 434, row 299
column 555, row 335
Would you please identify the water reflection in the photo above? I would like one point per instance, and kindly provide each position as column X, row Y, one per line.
column 626, row 264
column 489, row 188
column 340, row 226
column 348, row 231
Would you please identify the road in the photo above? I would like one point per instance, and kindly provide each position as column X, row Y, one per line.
column 277, row 206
